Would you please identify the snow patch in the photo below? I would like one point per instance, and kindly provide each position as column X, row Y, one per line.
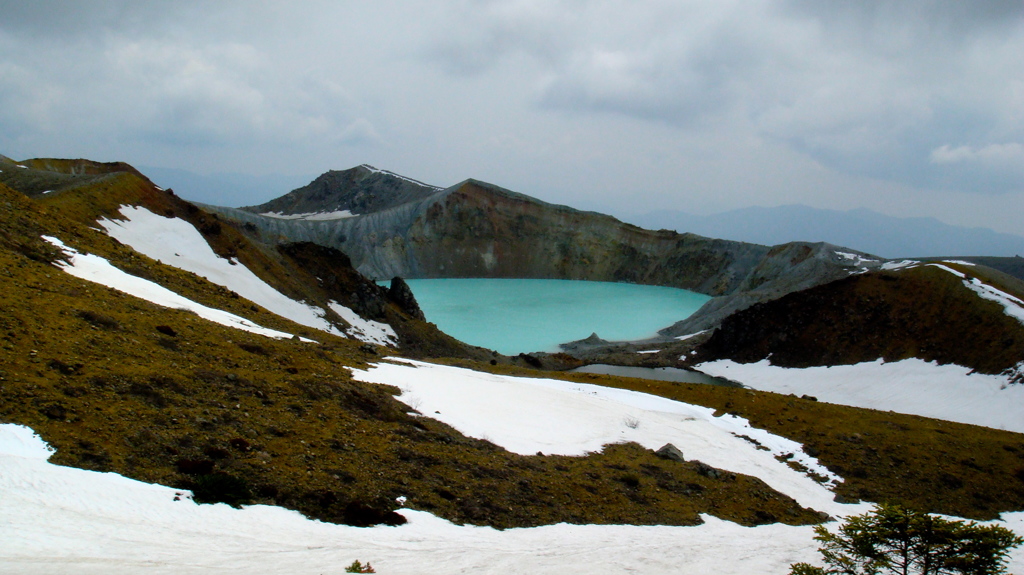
column 400, row 177
column 646, row 351
column 365, row 330
column 311, row 216
column 527, row 416
column 857, row 259
column 176, row 242
column 914, row 386
column 93, row 268
column 899, row 265
column 689, row 335
column 1012, row 306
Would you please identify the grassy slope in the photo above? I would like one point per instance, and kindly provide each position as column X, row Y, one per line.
column 281, row 422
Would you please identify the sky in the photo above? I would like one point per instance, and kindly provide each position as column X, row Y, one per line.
column 911, row 108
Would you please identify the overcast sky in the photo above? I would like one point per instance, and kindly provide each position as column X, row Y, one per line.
column 910, row 107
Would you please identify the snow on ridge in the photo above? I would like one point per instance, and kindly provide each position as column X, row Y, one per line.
column 399, row 176
column 949, row 392
column 530, row 415
column 894, row 265
column 1012, row 306
column 858, row 260
column 312, row 216
column 93, row 268
column 176, row 242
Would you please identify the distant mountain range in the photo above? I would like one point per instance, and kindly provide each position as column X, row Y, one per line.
column 868, row 231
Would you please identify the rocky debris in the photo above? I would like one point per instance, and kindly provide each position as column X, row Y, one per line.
column 671, row 452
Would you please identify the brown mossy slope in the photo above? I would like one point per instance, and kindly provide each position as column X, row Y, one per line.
column 300, row 271
column 923, row 312
column 925, row 464
column 117, row 384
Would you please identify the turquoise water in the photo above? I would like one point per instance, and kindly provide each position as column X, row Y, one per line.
column 524, row 315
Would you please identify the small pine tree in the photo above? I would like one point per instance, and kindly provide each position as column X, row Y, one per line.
column 894, row 540
column 357, row 567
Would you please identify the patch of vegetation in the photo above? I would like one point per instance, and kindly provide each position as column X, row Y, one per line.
column 357, row 567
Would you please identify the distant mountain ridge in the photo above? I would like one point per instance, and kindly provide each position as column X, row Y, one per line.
column 864, row 229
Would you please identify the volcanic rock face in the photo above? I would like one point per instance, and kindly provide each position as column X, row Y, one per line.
column 391, row 226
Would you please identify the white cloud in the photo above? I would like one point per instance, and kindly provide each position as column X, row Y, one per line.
column 1009, row 154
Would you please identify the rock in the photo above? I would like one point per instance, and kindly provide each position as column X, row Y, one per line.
column 669, row 451
column 402, row 295
column 706, row 470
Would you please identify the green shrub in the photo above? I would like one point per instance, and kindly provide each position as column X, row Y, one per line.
column 893, row 539
column 357, row 567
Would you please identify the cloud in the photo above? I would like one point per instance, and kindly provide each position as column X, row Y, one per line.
column 172, row 93
column 865, row 88
column 1009, row 154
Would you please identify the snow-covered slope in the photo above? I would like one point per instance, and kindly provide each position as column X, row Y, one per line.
column 527, row 415
column 178, row 243
column 948, row 391
column 63, row 520
column 913, row 386
column 98, row 270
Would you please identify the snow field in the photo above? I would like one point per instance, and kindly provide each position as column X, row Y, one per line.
column 914, row 386
column 527, row 416
column 64, row 520
column 95, row 269
column 176, row 242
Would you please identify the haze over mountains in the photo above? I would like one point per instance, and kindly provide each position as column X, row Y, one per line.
column 869, row 231
column 863, row 229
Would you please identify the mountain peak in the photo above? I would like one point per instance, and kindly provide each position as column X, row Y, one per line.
column 355, row 191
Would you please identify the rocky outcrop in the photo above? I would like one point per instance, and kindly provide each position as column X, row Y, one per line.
column 402, row 295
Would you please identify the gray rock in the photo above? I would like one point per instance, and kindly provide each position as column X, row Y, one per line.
column 669, row 451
